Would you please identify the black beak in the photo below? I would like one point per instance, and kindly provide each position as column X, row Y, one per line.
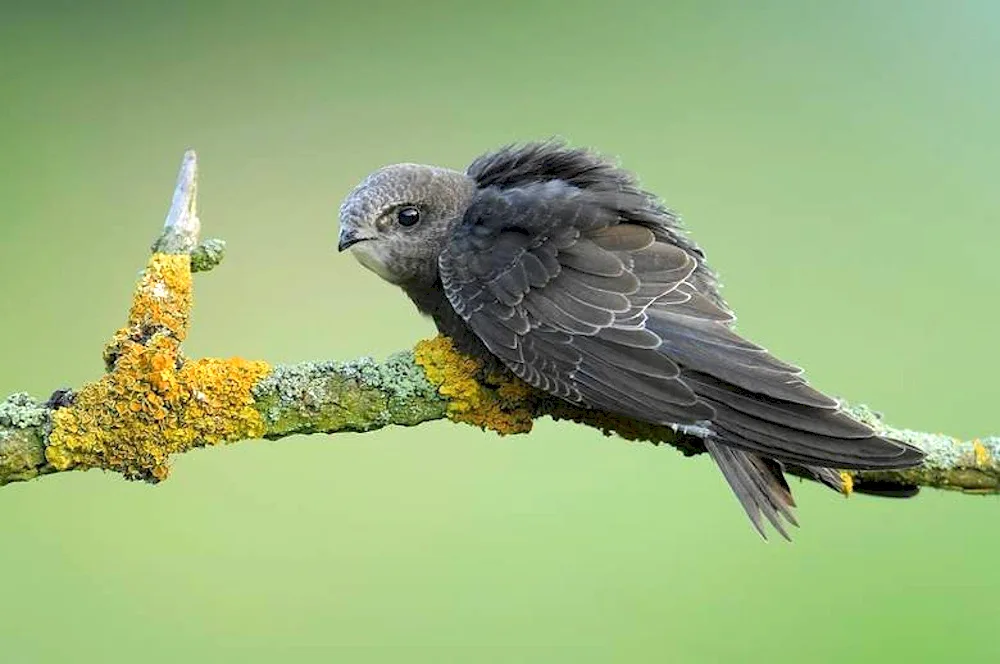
column 348, row 238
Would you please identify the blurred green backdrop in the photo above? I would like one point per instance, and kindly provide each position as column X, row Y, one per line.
column 838, row 161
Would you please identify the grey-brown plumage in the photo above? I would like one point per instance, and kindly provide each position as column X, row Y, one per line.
column 552, row 262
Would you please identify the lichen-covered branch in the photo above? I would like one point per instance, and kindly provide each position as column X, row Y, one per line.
column 154, row 402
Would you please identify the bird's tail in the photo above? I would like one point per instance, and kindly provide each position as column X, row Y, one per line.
column 755, row 434
column 759, row 484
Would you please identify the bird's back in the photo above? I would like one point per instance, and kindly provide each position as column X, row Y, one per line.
column 519, row 165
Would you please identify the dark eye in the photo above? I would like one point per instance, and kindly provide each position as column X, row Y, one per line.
column 408, row 215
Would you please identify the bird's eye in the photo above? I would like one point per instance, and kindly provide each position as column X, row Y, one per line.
column 408, row 215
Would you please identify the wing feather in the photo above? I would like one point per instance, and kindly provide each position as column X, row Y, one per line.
column 584, row 255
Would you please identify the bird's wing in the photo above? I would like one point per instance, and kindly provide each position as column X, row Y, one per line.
column 539, row 273
column 602, row 313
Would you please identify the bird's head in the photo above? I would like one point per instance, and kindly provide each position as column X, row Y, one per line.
column 397, row 220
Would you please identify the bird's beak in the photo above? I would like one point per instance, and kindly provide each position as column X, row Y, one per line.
column 348, row 238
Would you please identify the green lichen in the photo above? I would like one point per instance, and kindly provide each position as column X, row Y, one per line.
column 352, row 396
column 22, row 455
column 208, row 255
column 22, row 438
column 20, row 411
column 399, row 375
column 864, row 414
column 950, row 463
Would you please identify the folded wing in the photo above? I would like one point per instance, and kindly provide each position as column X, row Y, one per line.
column 581, row 303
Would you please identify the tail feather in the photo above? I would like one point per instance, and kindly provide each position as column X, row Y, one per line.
column 758, row 484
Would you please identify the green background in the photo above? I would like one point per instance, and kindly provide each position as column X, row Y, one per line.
column 838, row 161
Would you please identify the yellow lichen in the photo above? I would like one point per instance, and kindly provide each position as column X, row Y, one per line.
column 511, row 390
column 847, row 481
column 163, row 296
column 154, row 403
column 982, row 455
column 500, row 407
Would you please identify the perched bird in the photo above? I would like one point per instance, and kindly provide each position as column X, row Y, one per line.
column 553, row 262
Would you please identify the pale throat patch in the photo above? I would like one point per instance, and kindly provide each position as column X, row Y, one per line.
column 373, row 257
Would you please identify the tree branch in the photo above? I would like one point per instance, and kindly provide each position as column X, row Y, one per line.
column 154, row 402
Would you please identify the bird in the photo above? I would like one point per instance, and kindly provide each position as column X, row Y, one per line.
column 553, row 263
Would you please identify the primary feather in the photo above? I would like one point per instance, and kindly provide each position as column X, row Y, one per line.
column 556, row 264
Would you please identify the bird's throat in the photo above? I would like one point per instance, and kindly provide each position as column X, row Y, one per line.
column 374, row 258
